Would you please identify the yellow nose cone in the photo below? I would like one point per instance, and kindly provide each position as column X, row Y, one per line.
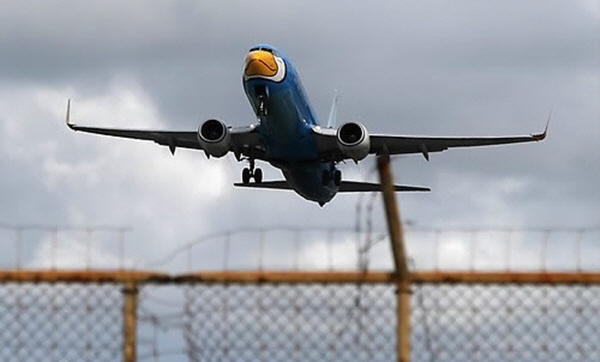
column 260, row 63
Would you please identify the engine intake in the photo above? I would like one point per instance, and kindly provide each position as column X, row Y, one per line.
column 214, row 137
column 353, row 140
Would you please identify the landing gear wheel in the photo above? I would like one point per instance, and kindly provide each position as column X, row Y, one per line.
column 246, row 175
column 337, row 177
column 258, row 175
column 326, row 177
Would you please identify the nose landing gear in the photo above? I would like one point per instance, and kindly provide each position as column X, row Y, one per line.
column 262, row 94
column 262, row 107
column 249, row 173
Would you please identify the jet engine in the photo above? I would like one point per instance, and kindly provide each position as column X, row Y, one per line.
column 214, row 137
column 353, row 140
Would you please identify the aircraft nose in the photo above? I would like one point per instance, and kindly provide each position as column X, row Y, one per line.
column 260, row 63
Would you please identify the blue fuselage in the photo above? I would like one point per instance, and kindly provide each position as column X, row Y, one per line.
column 286, row 119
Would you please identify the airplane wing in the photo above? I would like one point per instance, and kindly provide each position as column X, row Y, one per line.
column 395, row 145
column 345, row 186
column 244, row 140
column 398, row 144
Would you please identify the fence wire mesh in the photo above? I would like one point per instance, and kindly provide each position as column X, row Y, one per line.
column 506, row 323
column 60, row 322
column 290, row 323
column 300, row 322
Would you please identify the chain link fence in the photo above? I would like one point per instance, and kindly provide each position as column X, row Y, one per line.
column 60, row 322
column 290, row 323
column 183, row 321
column 51, row 315
column 510, row 322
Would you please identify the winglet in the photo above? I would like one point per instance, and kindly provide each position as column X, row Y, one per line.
column 542, row 136
column 68, row 116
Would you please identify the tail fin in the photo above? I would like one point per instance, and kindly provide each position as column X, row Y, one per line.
column 333, row 113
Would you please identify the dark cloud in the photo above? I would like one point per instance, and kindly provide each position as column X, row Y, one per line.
column 438, row 68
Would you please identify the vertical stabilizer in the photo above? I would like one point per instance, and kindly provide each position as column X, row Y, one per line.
column 333, row 113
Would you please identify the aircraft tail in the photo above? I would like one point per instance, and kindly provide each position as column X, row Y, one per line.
column 332, row 120
column 345, row 186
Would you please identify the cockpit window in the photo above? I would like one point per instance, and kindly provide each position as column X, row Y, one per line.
column 262, row 48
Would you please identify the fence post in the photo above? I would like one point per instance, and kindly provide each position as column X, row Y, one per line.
column 402, row 274
column 130, row 294
column 403, row 320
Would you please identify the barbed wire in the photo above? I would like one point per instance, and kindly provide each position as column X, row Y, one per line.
column 290, row 247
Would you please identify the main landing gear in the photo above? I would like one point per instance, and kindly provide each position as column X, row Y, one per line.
column 249, row 173
column 335, row 175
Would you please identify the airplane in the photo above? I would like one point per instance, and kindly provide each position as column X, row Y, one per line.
column 288, row 136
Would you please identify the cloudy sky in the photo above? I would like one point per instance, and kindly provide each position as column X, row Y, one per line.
column 427, row 67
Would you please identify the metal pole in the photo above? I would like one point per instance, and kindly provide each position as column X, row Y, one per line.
column 397, row 240
column 393, row 216
column 403, row 321
column 130, row 293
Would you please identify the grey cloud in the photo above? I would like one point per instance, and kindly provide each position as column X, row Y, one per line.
column 439, row 68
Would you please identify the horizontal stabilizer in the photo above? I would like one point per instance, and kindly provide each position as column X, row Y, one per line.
column 354, row 186
column 346, row 186
column 278, row 185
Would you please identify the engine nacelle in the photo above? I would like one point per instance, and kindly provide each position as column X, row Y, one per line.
column 353, row 140
column 214, row 137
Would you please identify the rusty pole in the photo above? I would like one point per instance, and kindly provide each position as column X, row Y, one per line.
column 403, row 276
column 296, row 277
column 130, row 293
